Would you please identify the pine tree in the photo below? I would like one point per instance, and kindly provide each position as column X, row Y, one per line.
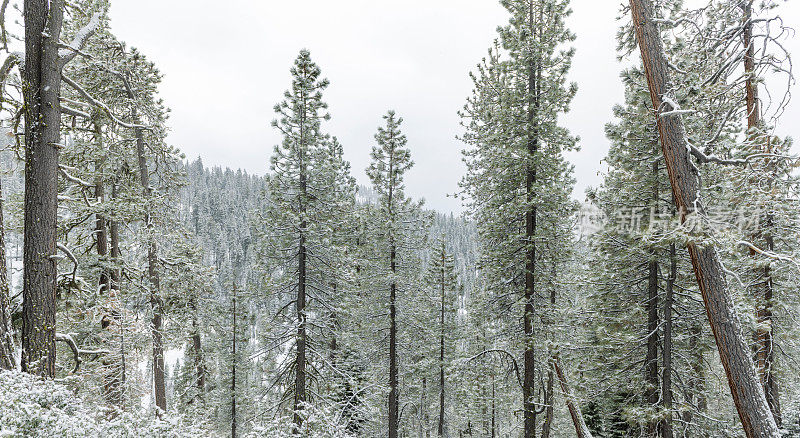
column 400, row 225
column 310, row 189
column 518, row 182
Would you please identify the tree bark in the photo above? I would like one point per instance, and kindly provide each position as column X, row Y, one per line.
column 7, row 360
column 747, row 392
column 42, row 85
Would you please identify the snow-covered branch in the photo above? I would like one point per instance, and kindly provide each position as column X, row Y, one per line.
column 68, row 53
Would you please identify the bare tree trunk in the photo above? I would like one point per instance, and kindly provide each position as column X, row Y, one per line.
column 7, row 360
column 764, row 287
column 581, row 430
column 42, row 85
column 394, row 396
column 666, row 376
column 747, row 392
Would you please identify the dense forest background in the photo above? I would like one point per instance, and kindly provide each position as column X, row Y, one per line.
column 145, row 294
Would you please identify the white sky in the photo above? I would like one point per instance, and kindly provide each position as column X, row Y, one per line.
column 225, row 67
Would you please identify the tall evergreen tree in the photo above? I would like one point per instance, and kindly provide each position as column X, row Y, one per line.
column 309, row 189
column 399, row 218
column 518, row 181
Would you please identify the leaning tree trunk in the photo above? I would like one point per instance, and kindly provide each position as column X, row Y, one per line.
column 41, row 87
column 7, row 361
column 748, row 394
column 764, row 287
column 156, row 302
column 581, row 430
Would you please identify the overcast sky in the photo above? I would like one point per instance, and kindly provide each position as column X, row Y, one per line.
column 225, row 67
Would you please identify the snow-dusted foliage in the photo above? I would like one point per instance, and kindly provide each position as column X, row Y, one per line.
column 32, row 407
column 318, row 422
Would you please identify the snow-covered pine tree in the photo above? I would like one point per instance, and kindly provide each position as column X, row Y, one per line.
column 443, row 285
column 310, row 190
column 518, row 183
column 400, row 225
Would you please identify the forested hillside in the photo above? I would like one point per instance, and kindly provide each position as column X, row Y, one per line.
column 144, row 294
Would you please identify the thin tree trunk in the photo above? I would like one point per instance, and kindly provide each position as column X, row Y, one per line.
column 300, row 361
column 112, row 389
column 42, row 85
column 581, row 430
column 550, row 391
column 394, row 396
column 422, row 408
column 233, row 369
column 7, row 360
column 116, row 311
column 494, row 407
column 156, row 302
column 441, row 346
column 651, row 359
column 747, row 392
column 666, row 377
column 764, row 288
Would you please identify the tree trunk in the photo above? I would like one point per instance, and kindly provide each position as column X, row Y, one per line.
column 42, row 85
column 233, row 369
column 529, row 407
column 666, row 376
column 422, row 408
column 581, row 430
column 117, row 389
column 651, row 359
column 441, row 347
column 748, row 394
column 550, row 392
column 7, row 361
column 112, row 388
column 156, row 302
column 394, row 396
column 300, row 361
column 764, row 288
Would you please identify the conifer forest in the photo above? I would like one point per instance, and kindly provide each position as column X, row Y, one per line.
column 147, row 290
